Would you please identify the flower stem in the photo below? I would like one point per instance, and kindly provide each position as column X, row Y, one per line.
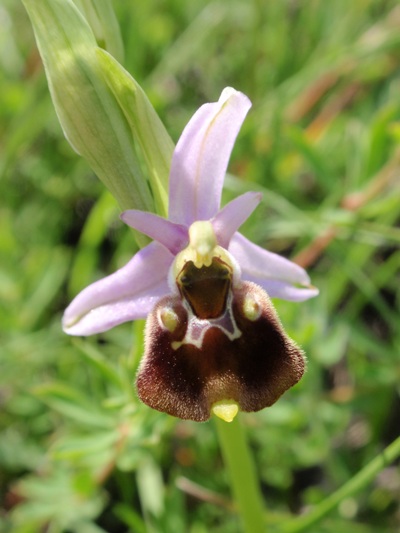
column 358, row 482
column 244, row 482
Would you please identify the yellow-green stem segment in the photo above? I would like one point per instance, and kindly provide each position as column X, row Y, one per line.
column 242, row 473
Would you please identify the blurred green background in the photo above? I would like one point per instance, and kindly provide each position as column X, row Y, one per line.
column 78, row 453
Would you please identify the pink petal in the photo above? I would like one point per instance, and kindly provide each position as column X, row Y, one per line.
column 112, row 314
column 280, row 277
column 128, row 294
column 201, row 158
column 172, row 236
column 232, row 216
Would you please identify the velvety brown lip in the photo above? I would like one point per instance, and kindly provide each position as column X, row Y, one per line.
column 254, row 370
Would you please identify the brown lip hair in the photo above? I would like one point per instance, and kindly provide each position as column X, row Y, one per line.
column 254, row 369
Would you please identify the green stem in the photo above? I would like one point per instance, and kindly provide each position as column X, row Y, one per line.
column 244, row 483
column 358, row 482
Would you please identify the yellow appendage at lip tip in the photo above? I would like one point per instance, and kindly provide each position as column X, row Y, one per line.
column 225, row 409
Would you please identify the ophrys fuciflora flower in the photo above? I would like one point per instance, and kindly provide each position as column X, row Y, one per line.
column 214, row 342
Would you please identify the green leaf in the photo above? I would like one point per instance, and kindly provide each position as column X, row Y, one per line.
column 151, row 487
column 73, row 447
column 65, row 498
column 104, row 23
column 94, row 357
column 73, row 404
column 89, row 114
column 147, row 128
column 131, row 518
column 309, row 151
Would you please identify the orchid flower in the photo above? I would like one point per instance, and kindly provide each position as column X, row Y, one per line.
column 214, row 342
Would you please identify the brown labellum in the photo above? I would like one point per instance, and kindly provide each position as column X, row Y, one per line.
column 253, row 367
column 206, row 288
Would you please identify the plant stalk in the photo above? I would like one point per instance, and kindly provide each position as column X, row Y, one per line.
column 244, row 483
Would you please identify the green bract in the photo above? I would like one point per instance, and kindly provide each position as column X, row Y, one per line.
column 93, row 107
column 147, row 128
column 101, row 17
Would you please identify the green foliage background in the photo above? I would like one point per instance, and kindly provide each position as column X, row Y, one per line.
column 78, row 453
